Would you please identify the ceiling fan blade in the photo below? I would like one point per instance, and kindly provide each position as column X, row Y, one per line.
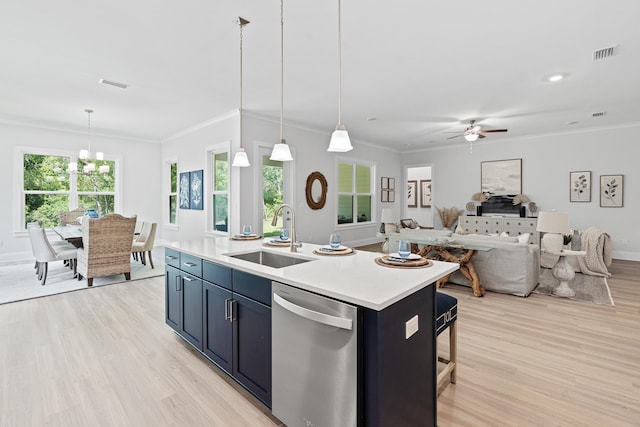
column 481, row 136
column 451, row 137
column 493, row 130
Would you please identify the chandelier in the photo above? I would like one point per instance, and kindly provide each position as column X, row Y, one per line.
column 85, row 155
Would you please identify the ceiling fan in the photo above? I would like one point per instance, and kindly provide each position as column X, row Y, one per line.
column 475, row 131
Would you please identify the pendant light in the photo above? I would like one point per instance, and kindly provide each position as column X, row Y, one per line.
column 240, row 159
column 281, row 150
column 340, row 141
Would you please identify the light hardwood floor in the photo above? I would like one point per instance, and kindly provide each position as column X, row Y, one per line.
column 104, row 357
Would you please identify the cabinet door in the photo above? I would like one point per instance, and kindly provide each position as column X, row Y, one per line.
column 173, row 297
column 252, row 346
column 217, row 340
column 192, row 310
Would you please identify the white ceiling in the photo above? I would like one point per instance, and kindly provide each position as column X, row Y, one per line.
column 419, row 67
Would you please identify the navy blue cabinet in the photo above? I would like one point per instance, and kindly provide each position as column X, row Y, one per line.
column 225, row 314
column 218, row 329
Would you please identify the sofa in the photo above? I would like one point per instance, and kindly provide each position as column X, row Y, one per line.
column 508, row 266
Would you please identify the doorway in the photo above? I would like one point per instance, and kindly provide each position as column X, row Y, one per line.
column 418, row 203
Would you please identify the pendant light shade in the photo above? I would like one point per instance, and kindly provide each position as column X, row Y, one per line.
column 240, row 160
column 281, row 150
column 340, row 141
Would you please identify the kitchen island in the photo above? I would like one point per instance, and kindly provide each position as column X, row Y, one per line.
column 221, row 304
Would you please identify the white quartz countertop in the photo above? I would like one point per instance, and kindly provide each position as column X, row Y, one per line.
column 354, row 279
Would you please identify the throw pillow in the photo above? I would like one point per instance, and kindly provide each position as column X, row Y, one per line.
column 523, row 239
column 459, row 230
column 504, row 234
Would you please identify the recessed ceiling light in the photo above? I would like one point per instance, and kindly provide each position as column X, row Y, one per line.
column 574, row 122
column 371, row 119
column 555, row 77
column 112, row 83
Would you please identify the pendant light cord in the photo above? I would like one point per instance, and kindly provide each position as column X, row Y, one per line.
column 89, row 111
column 339, row 64
column 281, row 67
column 241, row 25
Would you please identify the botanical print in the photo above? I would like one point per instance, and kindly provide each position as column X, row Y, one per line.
column 580, row 186
column 412, row 198
column 611, row 190
column 425, row 194
column 196, row 190
column 184, row 190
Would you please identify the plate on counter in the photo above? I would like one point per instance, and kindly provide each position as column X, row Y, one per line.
column 328, row 250
column 278, row 242
column 246, row 237
column 410, row 257
column 391, row 261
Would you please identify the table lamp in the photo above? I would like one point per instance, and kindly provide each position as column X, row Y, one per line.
column 387, row 218
column 554, row 225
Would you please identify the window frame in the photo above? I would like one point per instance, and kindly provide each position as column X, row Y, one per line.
column 168, row 193
column 211, row 191
column 372, row 178
column 19, row 192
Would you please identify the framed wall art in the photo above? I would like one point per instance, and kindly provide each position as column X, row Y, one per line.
column 501, row 177
column 196, row 196
column 580, row 186
column 392, row 196
column 611, row 191
column 392, row 184
column 412, row 196
column 384, row 183
column 384, row 195
column 425, row 193
column 185, row 190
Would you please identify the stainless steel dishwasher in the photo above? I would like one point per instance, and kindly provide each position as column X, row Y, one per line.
column 314, row 359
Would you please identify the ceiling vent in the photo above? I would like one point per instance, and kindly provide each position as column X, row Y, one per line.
column 603, row 53
column 112, row 83
column 598, row 114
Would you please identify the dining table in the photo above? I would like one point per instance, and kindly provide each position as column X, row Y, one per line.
column 70, row 233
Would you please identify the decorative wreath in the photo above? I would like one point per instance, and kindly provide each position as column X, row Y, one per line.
column 316, row 204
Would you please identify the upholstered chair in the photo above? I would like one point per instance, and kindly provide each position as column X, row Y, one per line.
column 106, row 247
column 71, row 217
column 144, row 243
column 45, row 253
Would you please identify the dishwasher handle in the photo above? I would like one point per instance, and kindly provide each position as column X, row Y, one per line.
column 326, row 319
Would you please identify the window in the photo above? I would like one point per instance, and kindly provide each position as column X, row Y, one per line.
column 355, row 192
column 173, row 192
column 272, row 193
column 48, row 188
column 220, row 191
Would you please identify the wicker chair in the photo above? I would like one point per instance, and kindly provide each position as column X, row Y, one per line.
column 144, row 243
column 106, row 247
column 71, row 217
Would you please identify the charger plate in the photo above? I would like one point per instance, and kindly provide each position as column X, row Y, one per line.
column 334, row 252
column 418, row 263
column 276, row 243
column 250, row 237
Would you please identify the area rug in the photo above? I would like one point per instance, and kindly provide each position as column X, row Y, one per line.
column 593, row 289
column 19, row 282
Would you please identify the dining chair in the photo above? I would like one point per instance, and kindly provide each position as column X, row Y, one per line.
column 144, row 243
column 45, row 253
column 106, row 247
column 71, row 217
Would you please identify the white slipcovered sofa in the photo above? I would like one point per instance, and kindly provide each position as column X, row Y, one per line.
column 508, row 267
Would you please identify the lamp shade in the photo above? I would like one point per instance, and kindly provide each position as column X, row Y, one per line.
column 240, row 160
column 387, row 216
column 553, row 222
column 281, row 153
column 340, row 141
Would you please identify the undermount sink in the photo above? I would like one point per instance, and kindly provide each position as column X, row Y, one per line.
column 270, row 259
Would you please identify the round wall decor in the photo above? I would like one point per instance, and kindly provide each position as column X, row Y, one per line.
column 319, row 201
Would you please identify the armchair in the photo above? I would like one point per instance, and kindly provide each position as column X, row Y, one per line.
column 106, row 247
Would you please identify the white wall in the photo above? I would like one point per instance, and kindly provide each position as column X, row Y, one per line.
column 546, row 164
column 140, row 176
column 309, row 149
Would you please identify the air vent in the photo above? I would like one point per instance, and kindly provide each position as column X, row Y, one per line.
column 599, row 114
column 112, row 83
column 603, row 53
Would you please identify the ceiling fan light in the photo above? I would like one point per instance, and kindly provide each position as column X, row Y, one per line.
column 240, row 160
column 471, row 137
column 281, row 152
column 340, row 142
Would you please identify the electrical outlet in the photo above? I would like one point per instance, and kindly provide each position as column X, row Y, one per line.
column 411, row 327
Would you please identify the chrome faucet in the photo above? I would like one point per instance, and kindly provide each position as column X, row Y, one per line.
column 294, row 244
